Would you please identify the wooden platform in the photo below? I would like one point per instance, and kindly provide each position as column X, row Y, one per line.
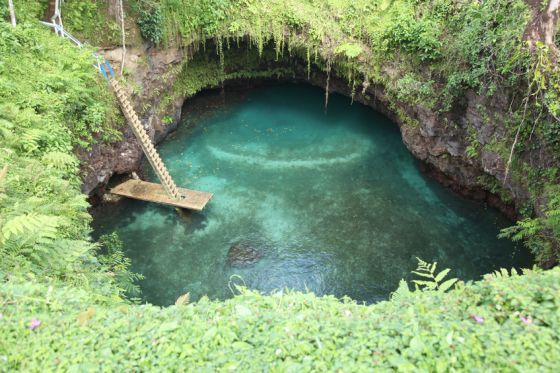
column 152, row 192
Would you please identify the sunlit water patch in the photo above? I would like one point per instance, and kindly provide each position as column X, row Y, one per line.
column 332, row 203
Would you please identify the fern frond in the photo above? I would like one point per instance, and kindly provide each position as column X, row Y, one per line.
column 433, row 268
column 30, row 226
column 423, row 274
column 447, row 284
column 402, row 291
column 6, row 130
column 442, row 275
column 434, row 282
column 31, row 138
column 422, row 264
column 59, row 160
column 19, row 225
column 502, row 273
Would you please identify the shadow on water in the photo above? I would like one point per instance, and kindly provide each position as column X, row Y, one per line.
column 333, row 203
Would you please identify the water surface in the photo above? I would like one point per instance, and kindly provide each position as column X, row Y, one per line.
column 333, row 203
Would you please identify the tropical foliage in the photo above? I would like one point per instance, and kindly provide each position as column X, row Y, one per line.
column 541, row 234
column 62, row 299
column 432, row 280
column 502, row 323
column 50, row 102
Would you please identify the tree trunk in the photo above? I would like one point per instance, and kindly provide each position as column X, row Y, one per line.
column 542, row 28
column 121, row 13
column 51, row 8
column 113, row 7
column 12, row 12
column 550, row 21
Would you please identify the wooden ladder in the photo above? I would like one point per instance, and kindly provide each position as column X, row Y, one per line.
column 165, row 193
column 145, row 142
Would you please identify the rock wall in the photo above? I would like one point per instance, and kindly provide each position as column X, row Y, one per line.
column 147, row 67
column 439, row 140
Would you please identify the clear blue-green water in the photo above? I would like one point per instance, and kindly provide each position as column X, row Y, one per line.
column 332, row 203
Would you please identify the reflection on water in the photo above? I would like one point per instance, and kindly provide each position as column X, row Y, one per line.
column 332, row 203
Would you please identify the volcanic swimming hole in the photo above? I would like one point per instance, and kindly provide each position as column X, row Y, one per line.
column 304, row 199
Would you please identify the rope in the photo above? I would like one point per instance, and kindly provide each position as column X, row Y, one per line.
column 58, row 17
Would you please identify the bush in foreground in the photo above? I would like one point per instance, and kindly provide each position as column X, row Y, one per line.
column 498, row 324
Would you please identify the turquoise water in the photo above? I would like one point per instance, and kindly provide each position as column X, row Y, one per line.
column 332, row 203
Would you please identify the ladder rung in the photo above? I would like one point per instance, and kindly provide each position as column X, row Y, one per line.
column 145, row 141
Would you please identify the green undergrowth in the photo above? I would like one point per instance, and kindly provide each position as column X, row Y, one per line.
column 51, row 102
column 499, row 324
column 417, row 50
column 26, row 11
column 427, row 52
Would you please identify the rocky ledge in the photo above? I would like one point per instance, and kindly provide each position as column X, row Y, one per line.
column 439, row 140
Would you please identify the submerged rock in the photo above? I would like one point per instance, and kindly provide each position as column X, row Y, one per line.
column 242, row 254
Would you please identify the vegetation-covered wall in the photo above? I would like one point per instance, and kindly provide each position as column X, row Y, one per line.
column 474, row 85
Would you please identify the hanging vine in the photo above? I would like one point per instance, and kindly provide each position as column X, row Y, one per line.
column 329, row 62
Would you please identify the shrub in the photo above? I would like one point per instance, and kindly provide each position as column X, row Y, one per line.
column 501, row 324
column 420, row 38
column 50, row 103
column 151, row 24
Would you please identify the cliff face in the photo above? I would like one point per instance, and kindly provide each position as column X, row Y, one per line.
column 147, row 69
column 439, row 140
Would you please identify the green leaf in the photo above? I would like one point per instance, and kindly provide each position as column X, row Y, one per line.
column 242, row 310
column 433, row 267
column 168, row 326
column 350, row 50
column 442, row 275
column 422, row 274
column 402, row 291
column 447, row 284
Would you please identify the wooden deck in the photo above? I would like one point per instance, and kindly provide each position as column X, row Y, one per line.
column 152, row 192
